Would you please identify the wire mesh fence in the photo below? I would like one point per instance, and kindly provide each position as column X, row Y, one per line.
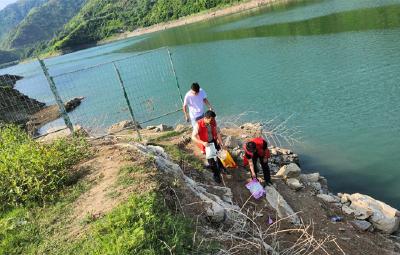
column 141, row 88
column 32, row 111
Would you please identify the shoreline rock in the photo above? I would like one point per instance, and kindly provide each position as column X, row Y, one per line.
column 15, row 107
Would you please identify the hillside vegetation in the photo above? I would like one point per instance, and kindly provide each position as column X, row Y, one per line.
column 13, row 14
column 32, row 27
column 41, row 186
column 99, row 19
column 42, row 23
column 32, row 173
column 7, row 56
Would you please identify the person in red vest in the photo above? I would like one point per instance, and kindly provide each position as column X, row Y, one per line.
column 204, row 132
column 257, row 149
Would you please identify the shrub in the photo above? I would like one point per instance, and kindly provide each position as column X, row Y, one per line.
column 140, row 226
column 31, row 172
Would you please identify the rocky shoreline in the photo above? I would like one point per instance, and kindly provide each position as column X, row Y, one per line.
column 27, row 112
column 300, row 202
column 367, row 213
column 348, row 214
column 16, row 107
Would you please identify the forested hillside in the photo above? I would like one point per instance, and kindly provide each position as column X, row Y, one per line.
column 6, row 56
column 31, row 27
column 42, row 23
column 99, row 19
column 13, row 14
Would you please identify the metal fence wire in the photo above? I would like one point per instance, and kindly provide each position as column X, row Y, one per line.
column 15, row 107
column 142, row 88
column 27, row 105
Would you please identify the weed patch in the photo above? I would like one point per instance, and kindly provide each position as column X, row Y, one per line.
column 167, row 135
column 33, row 173
column 182, row 157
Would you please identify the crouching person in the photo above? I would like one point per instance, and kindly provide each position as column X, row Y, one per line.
column 257, row 149
column 206, row 132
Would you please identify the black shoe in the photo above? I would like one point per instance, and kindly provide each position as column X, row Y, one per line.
column 268, row 183
column 217, row 178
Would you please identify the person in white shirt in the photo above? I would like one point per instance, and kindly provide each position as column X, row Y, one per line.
column 195, row 99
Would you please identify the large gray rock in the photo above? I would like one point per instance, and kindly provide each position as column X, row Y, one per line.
column 289, row 171
column 73, row 103
column 216, row 208
column 348, row 210
column 294, row 184
column 383, row 216
column 60, row 132
column 280, row 205
column 361, row 224
column 316, row 186
column 328, row 198
column 344, row 198
column 285, row 151
column 121, row 126
column 306, row 178
column 274, row 151
column 163, row 128
column 286, row 159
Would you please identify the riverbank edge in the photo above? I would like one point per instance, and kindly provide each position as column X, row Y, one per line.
column 209, row 14
column 305, row 193
column 186, row 20
column 197, row 17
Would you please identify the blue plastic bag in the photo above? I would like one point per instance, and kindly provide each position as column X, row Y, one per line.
column 256, row 189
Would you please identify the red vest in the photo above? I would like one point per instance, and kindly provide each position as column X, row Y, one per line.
column 203, row 132
column 259, row 141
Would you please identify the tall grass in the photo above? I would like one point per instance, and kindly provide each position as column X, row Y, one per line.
column 142, row 225
column 31, row 172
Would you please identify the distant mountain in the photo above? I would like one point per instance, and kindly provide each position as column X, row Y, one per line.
column 42, row 23
column 29, row 27
column 6, row 56
column 99, row 19
column 14, row 13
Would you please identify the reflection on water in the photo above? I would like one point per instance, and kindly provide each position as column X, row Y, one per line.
column 384, row 17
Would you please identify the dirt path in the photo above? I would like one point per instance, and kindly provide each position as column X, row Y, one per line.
column 107, row 192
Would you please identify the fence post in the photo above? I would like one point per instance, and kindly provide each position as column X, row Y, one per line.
column 121, row 83
column 176, row 77
column 60, row 103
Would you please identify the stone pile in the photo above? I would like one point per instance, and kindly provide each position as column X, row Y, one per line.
column 366, row 209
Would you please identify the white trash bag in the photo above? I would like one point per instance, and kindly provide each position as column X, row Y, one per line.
column 211, row 151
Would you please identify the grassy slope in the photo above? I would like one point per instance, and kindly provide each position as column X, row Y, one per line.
column 143, row 224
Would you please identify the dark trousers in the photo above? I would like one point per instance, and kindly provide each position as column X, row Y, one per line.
column 215, row 165
column 265, row 168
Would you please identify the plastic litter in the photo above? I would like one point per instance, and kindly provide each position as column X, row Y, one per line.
column 270, row 221
column 336, row 219
column 211, row 151
column 255, row 188
column 226, row 159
